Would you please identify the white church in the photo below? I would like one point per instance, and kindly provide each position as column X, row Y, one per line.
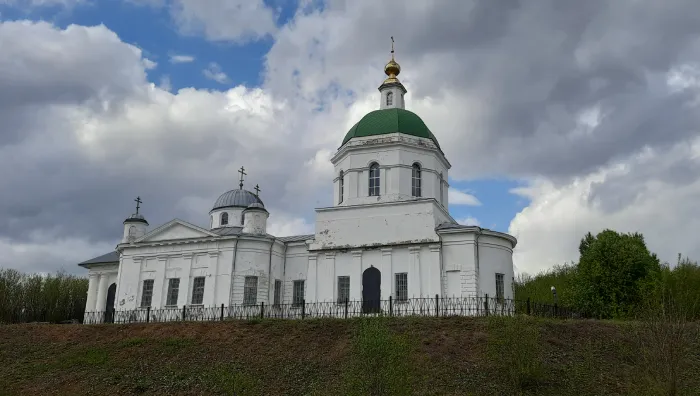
column 389, row 234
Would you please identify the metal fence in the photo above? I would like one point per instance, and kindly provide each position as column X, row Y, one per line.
column 437, row 306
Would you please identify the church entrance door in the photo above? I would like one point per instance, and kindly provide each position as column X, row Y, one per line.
column 109, row 306
column 371, row 290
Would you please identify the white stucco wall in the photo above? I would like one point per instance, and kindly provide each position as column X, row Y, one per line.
column 395, row 154
column 100, row 278
column 211, row 260
column 397, row 98
column 235, row 217
column 255, row 221
column 496, row 256
column 388, row 223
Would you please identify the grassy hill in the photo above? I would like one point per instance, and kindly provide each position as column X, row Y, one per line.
column 418, row 356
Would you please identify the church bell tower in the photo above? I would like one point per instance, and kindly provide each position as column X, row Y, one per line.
column 135, row 225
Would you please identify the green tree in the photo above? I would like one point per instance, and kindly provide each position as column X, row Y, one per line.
column 615, row 274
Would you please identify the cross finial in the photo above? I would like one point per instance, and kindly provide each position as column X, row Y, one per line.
column 138, row 204
column 257, row 190
column 242, row 172
column 392, row 47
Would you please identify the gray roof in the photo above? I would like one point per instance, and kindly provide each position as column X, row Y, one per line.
column 450, row 226
column 295, row 238
column 136, row 217
column 111, row 257
column 237, row 198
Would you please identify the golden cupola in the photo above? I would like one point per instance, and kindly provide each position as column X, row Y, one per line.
column 392, row 69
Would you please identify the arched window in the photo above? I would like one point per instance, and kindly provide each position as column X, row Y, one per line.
column 224, row 219
column 374, row 180
column 416, row 181
column 441, row 190
column 341, row 187
column 389, row 98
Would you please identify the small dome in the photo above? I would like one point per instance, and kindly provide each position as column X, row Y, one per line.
column 392, row 69
column 386, row 121
column 237, row 198
column 256, row 205
column 136, row 218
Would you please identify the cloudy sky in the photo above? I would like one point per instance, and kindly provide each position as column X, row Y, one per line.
column 559, row 117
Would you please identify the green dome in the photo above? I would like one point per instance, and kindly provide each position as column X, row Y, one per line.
column 383, row 122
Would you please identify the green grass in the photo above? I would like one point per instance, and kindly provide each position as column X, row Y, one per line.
column 371, row 356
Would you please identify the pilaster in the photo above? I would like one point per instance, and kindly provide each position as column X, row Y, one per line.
column 312, row 278
column 130, row 292
column 210, row 289
column 158, row 283
column 415, row 288
column 435, row 272
column 356, row 276
column 101, row 293
column 92, row 292
column 352, row 182
column 330, row 278
column 387, row 287
column 183, row 296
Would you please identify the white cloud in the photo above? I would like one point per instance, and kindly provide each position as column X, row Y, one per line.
column 237, row 21
column 288, row 226
column 469, row 220
column 181, row 58
column 213, row 72
column 106, row 135
column 43, row 3
column 642, row 194
column 149, row 64
column 457, row 197
column 165, row 83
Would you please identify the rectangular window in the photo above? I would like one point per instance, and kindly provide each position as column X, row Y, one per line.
column 374, row 180
column 298, row 293
column 173, row 290
column 415, row 181
column 198, row 290
column 343, row 289
column 402, row 286
column 278, row 292
column 499, row 286
column 147, row 293
column 250, row 290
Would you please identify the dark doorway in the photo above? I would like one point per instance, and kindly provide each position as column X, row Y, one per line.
column 109, row 306
column 371, row 290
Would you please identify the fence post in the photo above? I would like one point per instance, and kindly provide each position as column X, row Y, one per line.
column 528, row 306
column 303, row 308
column 556, row 311
column 437, row 304
column 222, row 312
column 346, row 308
column 148, row 314
column 391, row 307
column 486, row 304
column 184, row 307
column 262, row 309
